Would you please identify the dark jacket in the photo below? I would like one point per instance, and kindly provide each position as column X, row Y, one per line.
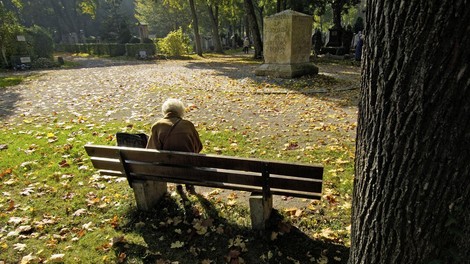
column 183, row 137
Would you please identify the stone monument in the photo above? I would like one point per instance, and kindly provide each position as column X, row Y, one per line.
column 286, row 45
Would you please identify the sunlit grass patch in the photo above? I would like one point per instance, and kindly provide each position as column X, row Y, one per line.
column 53, row 202
column 11, row 80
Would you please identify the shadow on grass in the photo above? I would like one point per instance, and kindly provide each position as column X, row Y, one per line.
column 177, row 231
column 8, row 100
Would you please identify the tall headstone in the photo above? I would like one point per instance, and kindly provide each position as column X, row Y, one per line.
column 286, row 45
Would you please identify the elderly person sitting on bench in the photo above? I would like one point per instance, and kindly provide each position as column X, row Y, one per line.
column 174, row 133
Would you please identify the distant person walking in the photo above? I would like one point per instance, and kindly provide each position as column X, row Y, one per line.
column 246, row 45
column 174, row 133
column 360, row 42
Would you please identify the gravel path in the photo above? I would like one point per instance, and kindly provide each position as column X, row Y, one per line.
column 221, row 93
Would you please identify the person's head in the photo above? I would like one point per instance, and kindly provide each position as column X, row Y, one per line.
column 174, row 106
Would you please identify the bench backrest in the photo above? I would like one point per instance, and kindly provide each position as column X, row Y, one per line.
column 254, row 175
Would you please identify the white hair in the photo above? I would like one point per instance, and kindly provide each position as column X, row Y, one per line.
column 173, row 106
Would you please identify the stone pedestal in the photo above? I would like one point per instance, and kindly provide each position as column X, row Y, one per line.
column 286, row 45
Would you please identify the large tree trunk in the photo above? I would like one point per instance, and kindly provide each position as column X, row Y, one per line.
column 197, row 37
column 412, row 189
column 252, row 21
column 337, row 7
column 214, row 16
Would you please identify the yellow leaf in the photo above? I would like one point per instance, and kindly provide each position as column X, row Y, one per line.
column 274, row 235
column 177, row 244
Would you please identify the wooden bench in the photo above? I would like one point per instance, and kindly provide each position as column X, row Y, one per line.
column 149, row 170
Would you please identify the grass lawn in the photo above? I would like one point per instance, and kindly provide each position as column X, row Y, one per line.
column 10, row 81
column 54, row 207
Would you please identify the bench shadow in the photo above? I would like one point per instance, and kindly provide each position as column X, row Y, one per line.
column 176, row 231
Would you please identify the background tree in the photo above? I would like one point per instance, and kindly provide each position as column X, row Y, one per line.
column 412, row 195
column 213, row 10
column 9, row 27
column 197, row 37
column 195, row 22
column 255, row 31
column 162, row 17
column 340, row 6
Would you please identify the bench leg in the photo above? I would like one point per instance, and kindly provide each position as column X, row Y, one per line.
column 148, row 193
column 260, row 210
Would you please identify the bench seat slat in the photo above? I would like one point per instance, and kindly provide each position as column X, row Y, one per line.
column 298, row 180
column 106, row 164
column 200, row 160
column 196, row 174
column 227, row 176
column 247, row 188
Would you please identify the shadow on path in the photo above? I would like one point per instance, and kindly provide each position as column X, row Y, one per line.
column 177, row 231
column 334, row 80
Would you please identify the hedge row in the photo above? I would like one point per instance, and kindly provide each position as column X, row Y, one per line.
column 110, row 49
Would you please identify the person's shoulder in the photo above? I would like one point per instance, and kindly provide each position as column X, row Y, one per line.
column 187, row 123
column 159, row 122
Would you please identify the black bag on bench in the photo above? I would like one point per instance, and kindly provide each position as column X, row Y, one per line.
column 131, row 140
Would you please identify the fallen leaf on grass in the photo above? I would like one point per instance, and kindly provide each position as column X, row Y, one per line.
column 27, row 191
column 29, row 259
column 19, row 246
column 11, row 205
column 87, row 226
column 6, row 172
column 16, row 220
column 57, row 258
column 64, row 164
column 115, row 222
column 79, row 212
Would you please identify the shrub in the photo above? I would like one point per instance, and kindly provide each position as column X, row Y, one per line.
column 174, row 44
column 134, row 40
column 134, row 49
column 42, row 45
column 41, row 63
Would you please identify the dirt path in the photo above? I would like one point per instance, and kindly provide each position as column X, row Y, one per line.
column 221, row 93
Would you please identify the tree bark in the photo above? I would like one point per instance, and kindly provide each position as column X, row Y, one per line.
column 337, row 7
column 214, row 17
column 252, row 21
column 197, row 37
column 412, row 189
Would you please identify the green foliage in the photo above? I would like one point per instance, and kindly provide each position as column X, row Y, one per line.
column 41, row 42
column 10, row 81
column 161, row 17
column 9, row 26
column 175, row 43
column 98, row 49
column 42, row 63
column 133, row 49
column 89, row 7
